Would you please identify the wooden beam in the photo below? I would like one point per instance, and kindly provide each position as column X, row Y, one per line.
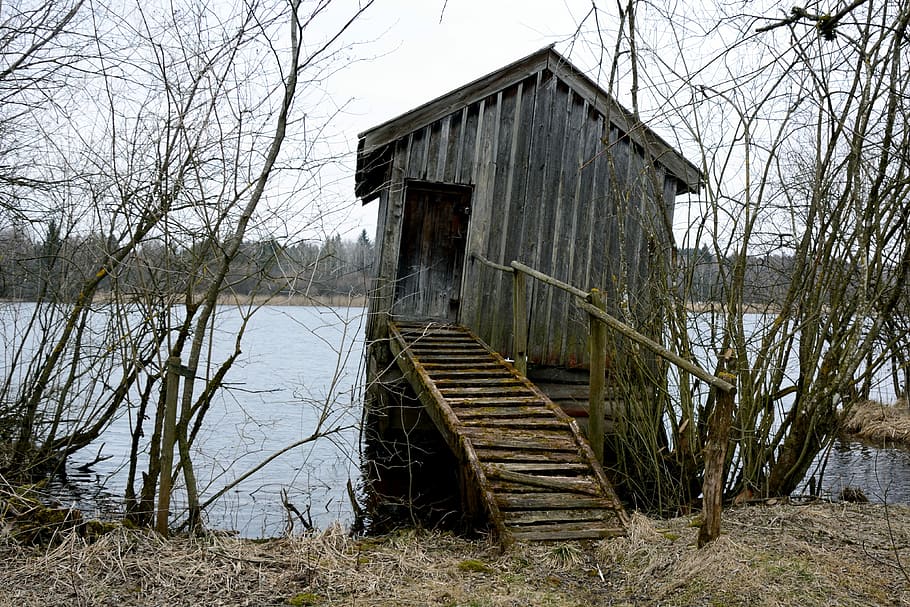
column 597, row 344
column 655, row 347
column 519, row 323
column 715, row 456
column 578, row 484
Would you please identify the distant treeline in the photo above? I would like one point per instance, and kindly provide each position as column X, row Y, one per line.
column 766, row 278
column 55, row 266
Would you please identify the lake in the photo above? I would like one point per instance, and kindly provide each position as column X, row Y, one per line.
column 302, row 363
column 298, row 364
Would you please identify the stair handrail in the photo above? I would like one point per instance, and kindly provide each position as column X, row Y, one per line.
column 516, row 267
column 593, row 303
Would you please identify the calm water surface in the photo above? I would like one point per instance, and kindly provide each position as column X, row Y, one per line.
column 299, row 364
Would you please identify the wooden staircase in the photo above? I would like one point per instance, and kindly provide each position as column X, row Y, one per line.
column 531, row 468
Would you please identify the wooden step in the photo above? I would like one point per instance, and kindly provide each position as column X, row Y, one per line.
column 559, row 531
column 478, row 415
column 535, row 473
column 515, row 518
column 556, row 500
column 521, row 422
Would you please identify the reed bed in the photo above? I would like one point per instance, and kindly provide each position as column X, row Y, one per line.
column 879, row 423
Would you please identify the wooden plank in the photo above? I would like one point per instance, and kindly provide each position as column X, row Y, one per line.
column 548, row 501
column 496, row 442
column 511, row 244
column 576, row 348
column 501, row 486
column 560, row 435
column 507, row 381
column 435, row 146
column 454, row 145
column 481, row 221
column 566, row 251
column 469, row 373
column 465, row 414
column 551, row 259
column 544, row 467
column 426, row 327
column 455, row 358
column 442, row 345
column 442, row 146
column 515, row 390
column 577, row 484
column 492, row 454
column 490, row 288
column 417, row 158
column 497, row 401
column 432, row 337
column 530, row 423
column 433, row 367
column 514, row 518
column 564, row 531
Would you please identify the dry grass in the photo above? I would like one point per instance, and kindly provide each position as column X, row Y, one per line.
column 820, row 554
column 880, row 423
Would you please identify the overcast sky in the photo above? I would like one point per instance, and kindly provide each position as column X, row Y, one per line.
column 415, row 57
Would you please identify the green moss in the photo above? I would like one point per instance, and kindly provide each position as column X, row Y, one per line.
column 473, row 566
column 92, row 530
column 304, row 598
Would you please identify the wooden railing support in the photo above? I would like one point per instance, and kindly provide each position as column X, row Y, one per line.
column 658, row 349
column 597, row 345
column 519, row 323
column 715, row 455
column 172, row 385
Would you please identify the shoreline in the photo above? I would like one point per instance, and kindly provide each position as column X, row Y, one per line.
column 809, row 555
column 330, row 301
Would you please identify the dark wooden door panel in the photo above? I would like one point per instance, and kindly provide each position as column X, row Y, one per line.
column 431, row 255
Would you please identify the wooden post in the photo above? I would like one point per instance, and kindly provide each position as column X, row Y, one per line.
column 715, row 455
column 519, row 322
column 597, row 347
column 167, row 443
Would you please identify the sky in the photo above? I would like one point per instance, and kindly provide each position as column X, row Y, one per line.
column 416, row 50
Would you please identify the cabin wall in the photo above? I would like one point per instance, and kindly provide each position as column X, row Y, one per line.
column 553, row 187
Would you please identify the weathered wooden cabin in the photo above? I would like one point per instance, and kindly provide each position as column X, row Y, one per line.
column 532, row 163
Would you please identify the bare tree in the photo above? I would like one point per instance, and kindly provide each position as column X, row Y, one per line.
column 798, row 122
column 188, row 116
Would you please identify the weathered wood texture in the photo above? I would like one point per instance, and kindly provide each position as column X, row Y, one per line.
column 529, row 466
column 560, row 178
column 431, row 254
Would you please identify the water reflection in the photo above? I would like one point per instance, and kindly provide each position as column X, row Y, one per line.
column 881, row 472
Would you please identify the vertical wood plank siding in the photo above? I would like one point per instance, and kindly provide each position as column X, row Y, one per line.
column 553, row 186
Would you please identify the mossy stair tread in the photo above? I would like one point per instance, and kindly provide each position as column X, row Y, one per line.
column 536, row 471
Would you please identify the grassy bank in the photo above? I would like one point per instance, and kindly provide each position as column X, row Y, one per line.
column 879, row 423
column 819, row 554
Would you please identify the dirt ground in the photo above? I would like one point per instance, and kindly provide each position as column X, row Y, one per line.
column 816, row 554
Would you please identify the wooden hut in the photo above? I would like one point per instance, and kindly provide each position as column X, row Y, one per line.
column 535, row 163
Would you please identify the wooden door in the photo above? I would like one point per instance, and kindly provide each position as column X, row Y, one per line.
column 431, row 253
